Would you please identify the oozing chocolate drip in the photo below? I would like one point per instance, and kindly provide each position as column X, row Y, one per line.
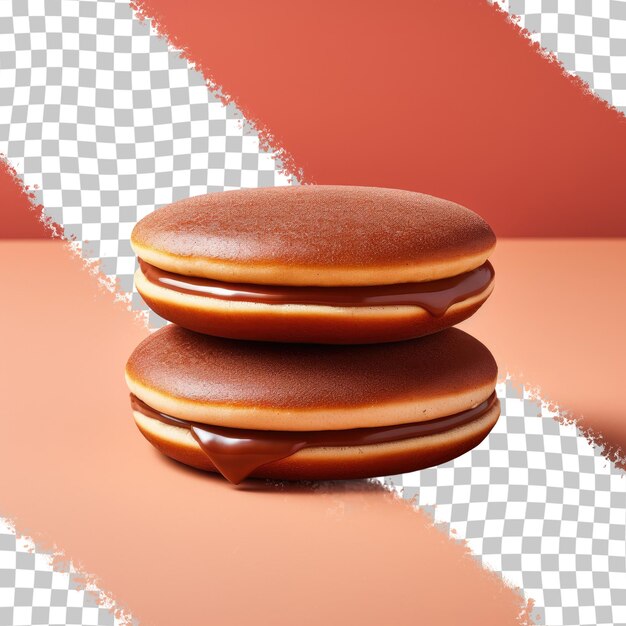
column 237, row 452
column 435, row 296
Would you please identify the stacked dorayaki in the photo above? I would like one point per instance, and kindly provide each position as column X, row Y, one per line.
column 311, row 335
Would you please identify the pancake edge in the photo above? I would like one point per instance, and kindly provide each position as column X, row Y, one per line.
column 337, row 462
column 208, row 303
column 267, row 273
column 318, row 418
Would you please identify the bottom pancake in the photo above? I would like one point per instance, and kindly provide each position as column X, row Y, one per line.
column 333, row 462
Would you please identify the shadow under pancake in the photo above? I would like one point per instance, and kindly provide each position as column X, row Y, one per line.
column 267, row 485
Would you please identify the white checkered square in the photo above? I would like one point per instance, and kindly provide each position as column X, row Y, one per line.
column 538, row 503
column 107, row 123
column 33, row 592
column 587, row 36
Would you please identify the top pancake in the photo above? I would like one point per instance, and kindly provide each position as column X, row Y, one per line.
column 306, row 386
column 315, row 235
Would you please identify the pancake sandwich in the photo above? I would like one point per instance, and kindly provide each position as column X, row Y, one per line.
column 311, row 411
column 320, row 264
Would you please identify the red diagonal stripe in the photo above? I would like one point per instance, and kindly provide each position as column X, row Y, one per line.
column 443, row 97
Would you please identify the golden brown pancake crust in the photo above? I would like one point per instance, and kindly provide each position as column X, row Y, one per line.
column 204, row 369
column 325, row 227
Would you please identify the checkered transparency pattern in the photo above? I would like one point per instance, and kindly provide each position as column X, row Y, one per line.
column 535, row 501
column 32, row 592
column 587, row 36
column 539, row 504
column 107, row 123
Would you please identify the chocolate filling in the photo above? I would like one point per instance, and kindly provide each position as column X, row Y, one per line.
column 237, row 452
column 436, row 296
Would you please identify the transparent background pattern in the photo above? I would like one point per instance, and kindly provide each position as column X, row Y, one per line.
column 107, row 123
column 33, row 592
column 539, row 504
column 587, row 36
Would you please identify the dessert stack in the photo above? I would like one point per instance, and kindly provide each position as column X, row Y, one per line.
column 311, row 334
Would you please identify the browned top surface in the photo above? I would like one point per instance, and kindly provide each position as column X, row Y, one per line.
column 323, row 226
column 211, row 370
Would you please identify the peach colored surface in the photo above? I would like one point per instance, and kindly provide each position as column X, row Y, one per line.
column 176, row 546
column 555, row 321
